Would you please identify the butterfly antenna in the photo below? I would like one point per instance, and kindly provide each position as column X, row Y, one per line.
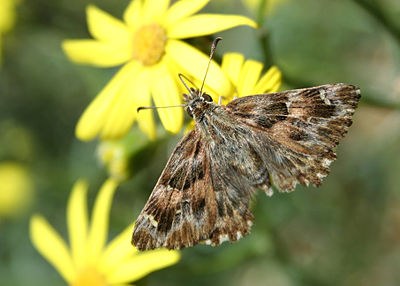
column 157, row 107
column 182, row 77
column 213, row 47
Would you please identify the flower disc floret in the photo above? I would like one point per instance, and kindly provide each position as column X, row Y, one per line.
column 149, row 44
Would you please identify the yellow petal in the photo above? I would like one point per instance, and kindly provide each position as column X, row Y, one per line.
column 142, row 264
column 123, row 112
column 154, row 9
column 175, row 70
column 96, row 114
column 190, row 126
column 194, row 63
column 118, row 250
column 105, row 27
column 269, row 82
column 96, row 53
column 275, row 87
column 165, row 92
column 232, row 65
column 7, row 15
column 77, row 221
column 100, row 216
column 181, row 9
column 248, row 77
column 51, row 246
column 205, row 24
column 142, row 91
column 133, row 13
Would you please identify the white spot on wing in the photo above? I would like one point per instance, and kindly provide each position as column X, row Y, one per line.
column 269, row 192
column 223, row 238
column 322, row 94
column 207, row 242
column 151, row 219
column 238, row 235
column 326, row 162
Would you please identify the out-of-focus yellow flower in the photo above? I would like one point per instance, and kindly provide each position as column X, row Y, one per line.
column 270, row 6
column 246, row 76
column 89, row 261
column 7, row 18
column 16, row 189
column 148, row 42
column 114, row 156
column 119, row 155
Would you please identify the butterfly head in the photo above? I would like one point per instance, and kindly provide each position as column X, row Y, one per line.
column 196, row 102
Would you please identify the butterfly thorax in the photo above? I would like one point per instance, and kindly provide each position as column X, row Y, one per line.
column 198, row 103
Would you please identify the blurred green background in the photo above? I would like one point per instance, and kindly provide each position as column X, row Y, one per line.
column 346, row 232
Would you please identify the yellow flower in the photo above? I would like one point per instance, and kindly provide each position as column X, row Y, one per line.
column 245, row 79
column 113, row 155
column 148, row 42
column 124, row 157
column 7, row 18
column 88, row 261
column 16, row 189
column 245, row 76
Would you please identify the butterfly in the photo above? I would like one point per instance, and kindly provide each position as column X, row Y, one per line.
column 252, row 143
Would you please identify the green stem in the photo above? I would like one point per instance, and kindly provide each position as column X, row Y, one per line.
column 265, row 35
column 261, row 12
column 379, row 16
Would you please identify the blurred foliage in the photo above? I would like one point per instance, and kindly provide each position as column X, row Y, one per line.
column 347, row 232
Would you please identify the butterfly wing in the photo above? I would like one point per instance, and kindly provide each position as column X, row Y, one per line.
column 189, row 203
column 297, row 130
column 204, row 191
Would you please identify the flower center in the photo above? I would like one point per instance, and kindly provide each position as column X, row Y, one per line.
column 89, row 277
column 149, row 44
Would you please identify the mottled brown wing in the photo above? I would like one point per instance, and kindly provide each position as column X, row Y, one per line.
column 185, row 208
column 296, row 130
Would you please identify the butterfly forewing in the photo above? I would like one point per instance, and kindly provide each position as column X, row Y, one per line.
column 297, row 130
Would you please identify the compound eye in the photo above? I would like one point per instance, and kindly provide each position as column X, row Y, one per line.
column 207, row 97
column 189, row 111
